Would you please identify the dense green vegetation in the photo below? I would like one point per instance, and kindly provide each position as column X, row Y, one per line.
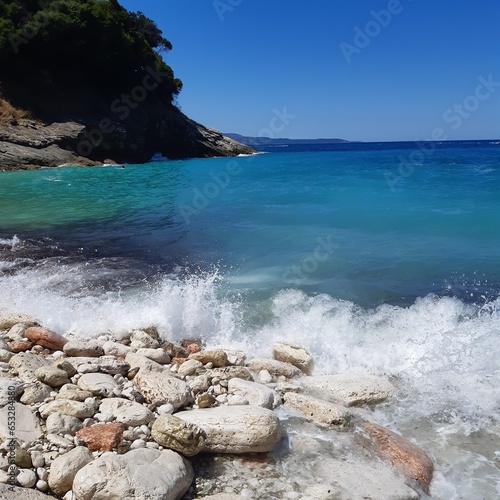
column 69, row 53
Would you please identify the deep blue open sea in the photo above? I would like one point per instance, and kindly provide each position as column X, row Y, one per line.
column 375, row 257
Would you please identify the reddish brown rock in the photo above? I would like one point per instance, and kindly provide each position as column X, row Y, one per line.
column 101, row 437
column 402, row 454
column 46, row 338
column 20, row 345
column 191, row 345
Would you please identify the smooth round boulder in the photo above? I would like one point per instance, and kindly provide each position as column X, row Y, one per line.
column 142, row 474
column 236, row 429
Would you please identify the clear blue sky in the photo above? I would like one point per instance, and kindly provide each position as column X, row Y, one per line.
column 242, row 59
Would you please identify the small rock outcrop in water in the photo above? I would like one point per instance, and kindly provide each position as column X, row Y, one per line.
column 186, row 429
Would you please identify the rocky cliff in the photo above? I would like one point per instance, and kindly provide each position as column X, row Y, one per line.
column 27, row 143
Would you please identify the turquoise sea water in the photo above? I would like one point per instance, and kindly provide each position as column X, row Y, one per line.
column 369, row 264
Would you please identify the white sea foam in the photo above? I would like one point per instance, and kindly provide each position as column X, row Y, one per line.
column 441, row 354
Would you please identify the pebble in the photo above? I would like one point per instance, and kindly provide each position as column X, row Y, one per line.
column 26, row 478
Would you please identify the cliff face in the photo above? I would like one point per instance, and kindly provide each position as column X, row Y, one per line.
column 26, row 143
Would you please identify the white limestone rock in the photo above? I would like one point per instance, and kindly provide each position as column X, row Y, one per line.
column 35, row 393
column 58, row 423
column 69, row 407
column 157, row 355
column 27, row 426
column 26, row 478
column 189, row 367
column 8, row 320
column 318, row 410
column 8, row 492
column 86, row 348
column 142, row 474
column 7, row 387
column 274, row 367
column 26, row 363
column 161, row 388
column 127, row 412
column 350, row 389
column 64, row 469
column 236, row 429
column 254, row 393
column 99, row 384
column 294, row 355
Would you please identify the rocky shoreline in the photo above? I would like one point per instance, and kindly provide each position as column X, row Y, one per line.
column 29, row 144
column 138, row 416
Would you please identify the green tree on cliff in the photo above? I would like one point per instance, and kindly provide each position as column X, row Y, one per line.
column 66, row 49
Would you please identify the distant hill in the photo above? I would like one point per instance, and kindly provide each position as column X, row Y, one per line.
column 266, row 141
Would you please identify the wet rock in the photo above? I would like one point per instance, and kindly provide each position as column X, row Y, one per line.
column 160, row 388
column 350, row 389
column 52, row 376
column 8, row 320
column 35, row 393
column 236, row 429
column 46, row 338
column 67, row 407
column 84, row 348
column 64, row 469
column 189, row 367
column 254, row 393
column 174, row 433
column 318, row 410
column 102, row 437
column 149, row 474
column 127, row 412
column 217, row 357
column 294, row 355
column 27, row 427
column 99, row 384
column 25, row 364
column 58, row 423
column 274, row 367
column 404, row 455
